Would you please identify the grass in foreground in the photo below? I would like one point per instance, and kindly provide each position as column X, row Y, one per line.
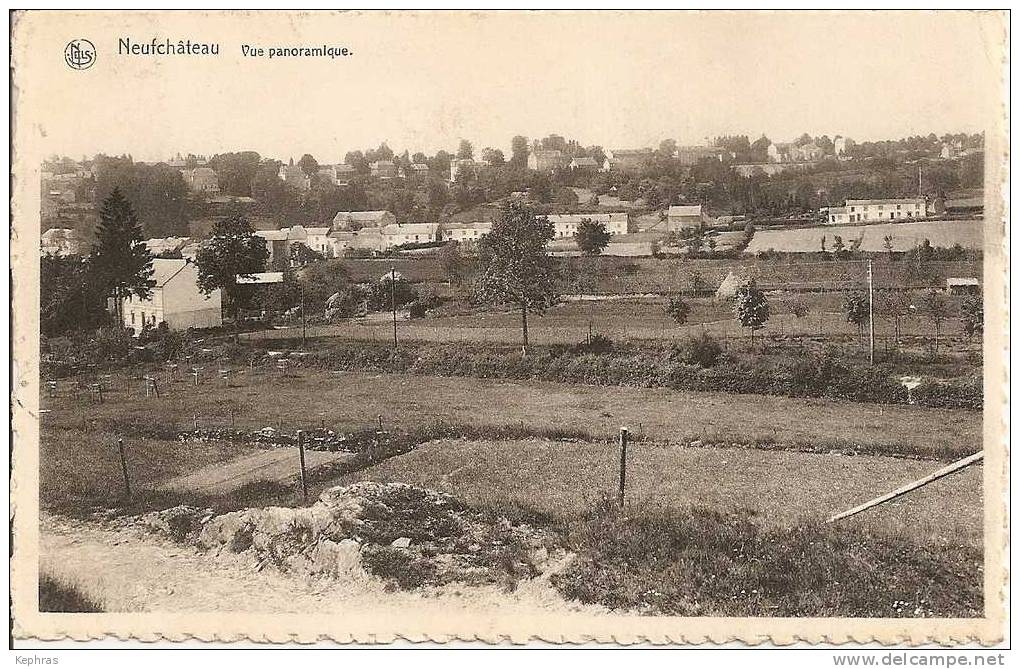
column 56, row 596
column 703, row 563
column 780, row 489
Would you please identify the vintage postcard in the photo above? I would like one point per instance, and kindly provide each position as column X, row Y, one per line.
column 562, row 326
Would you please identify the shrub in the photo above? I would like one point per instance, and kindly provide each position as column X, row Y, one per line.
column 55, row 595
column 678, row 309
column 949, row 395
column 702, row 350
column 598, row 343
column 704, row 563
column 110, row 344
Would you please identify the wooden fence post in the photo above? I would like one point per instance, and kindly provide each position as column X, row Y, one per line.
column 301, row 455
column 623, row 463
column 124, row 469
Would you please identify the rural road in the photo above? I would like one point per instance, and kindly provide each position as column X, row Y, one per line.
column 131, row 570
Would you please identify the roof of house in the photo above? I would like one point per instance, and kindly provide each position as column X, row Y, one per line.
column 344, row 167
column 585, row 162
column 967, row 202
column 361, row 215
column 467, row 225
column 962, row 281
column 684, row 210
column 420, row 167
column 410, row 229
column 614, row 217
column 904, row 200
column 631, row 152
column 161, row 244
column 164, row 269
column 273, row 235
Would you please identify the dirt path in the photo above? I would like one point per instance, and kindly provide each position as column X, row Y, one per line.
column 277, row 464
column 130, row 570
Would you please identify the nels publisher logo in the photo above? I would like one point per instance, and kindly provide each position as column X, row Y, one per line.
column 80, row 54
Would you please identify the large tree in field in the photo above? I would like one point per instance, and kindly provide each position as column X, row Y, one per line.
column 591, row 237
column 120, row 262
column 751, row 307
column 518, row 271
column 233, row 250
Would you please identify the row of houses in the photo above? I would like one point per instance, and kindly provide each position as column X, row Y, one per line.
column 379, row 231
column 876, row 210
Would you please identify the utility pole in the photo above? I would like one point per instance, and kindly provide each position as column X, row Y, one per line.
column 393, row 303
column 871, row 314
column 623, row 464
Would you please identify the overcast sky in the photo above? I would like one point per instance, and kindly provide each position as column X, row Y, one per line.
column 423, row 82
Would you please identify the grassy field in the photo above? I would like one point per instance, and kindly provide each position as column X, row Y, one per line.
column 969, row 234
column 629, row 320
column 352, row 401
column 776, row 489
column 617, row 275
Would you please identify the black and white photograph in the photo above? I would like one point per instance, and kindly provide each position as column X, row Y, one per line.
column 552, row 326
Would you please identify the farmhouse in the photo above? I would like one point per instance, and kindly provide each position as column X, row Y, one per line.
column 396, row 234
column 464, row 232
column 858, row 211
column 965, row 206
column 356, row 220
column 565, row 225
column 685, row 217
column 279, row 242
column 175, row 300
column 382, row 238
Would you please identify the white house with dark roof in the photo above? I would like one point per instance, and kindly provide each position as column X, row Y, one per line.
column 174, row 300
column 867, row 211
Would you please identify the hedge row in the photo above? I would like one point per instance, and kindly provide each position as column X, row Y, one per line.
column 820, row 376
